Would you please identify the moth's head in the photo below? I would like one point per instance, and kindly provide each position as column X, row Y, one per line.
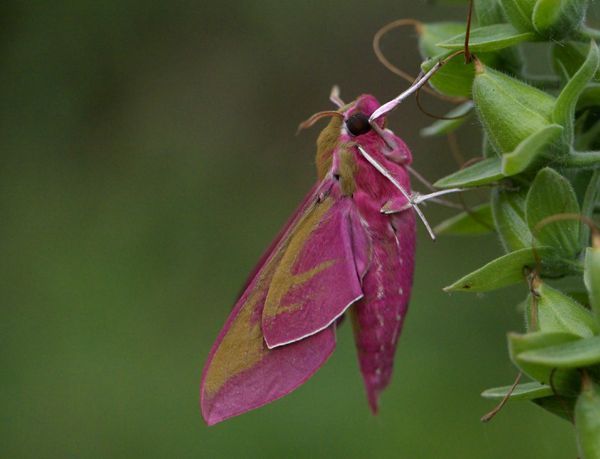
column 349, row 125
column 357, row 114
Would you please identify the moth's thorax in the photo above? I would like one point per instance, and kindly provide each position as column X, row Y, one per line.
column 326, row 143
column 338, row 153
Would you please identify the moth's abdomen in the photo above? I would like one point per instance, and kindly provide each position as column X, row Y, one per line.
column 379, row 316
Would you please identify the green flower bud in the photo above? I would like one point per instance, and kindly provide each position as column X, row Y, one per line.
column 587, row 419
column 510, row 110
column 509, row 216
column 488, row 12
column 551, row 19
column 519, row 13
column 556, row 312
column 558, row 19
column 591, row 276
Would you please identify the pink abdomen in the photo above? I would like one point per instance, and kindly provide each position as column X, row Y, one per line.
column 379, row 316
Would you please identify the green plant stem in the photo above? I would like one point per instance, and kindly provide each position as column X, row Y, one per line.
column 583, row 159
column 590, row 32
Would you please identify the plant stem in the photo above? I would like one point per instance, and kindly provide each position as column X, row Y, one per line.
column 583, row 159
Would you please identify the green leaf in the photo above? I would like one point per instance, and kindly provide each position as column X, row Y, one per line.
column 591, row 277
column 575, row 354
column 552, row 194
column 488, row 12
column 589, row 98
column 440, row 127
column 432, row 33
column 526, row 391
column 486, row 171
column 557, row 312
column 557, row 19
column 501, row 272
column 455, row 77
column 519, row 13
column 534, row 146
column 489, row 38
column 566, row 382
column 587, row 420
column 570, row 56
column 591, row 197
column 564, row 110
column 488, row 148
column 477, row 221
column 509, row 217
column 509, row 109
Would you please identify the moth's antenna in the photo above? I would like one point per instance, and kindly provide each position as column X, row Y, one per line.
column 316, row 117
column 383, row 171
column 334, row 96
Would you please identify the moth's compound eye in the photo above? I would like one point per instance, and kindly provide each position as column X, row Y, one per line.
column 358, row 124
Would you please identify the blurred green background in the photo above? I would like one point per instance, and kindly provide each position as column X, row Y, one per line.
column 147, row 157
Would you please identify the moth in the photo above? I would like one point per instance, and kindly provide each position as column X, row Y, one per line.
column 348, row 248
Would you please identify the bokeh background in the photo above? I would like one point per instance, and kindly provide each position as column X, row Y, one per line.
column 147, row 157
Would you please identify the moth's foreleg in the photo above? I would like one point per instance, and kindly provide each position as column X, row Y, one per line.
column 401, row 204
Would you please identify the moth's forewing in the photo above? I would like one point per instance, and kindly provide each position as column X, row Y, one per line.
column 242, row 373
column 316, row 279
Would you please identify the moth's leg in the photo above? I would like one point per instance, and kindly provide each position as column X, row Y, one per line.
column 418, row 198
column 383, row 171
column 334, row 96
column 401, row 204
column 396, row 205
column 392, row 104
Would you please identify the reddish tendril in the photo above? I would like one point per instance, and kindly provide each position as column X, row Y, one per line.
column 468, row 59
column 392, row 68
column 490, row 415
column 468, row 55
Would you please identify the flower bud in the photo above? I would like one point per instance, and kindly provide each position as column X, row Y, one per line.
column 586, row 419
column 510, row 110
column 509, row 216
column 519, row 13
column 558, row 21
column 551, row 19
column 488, row 12
column 591, row 277
column 558, row 313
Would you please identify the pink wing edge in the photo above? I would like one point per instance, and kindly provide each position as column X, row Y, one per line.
column 319, row 347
